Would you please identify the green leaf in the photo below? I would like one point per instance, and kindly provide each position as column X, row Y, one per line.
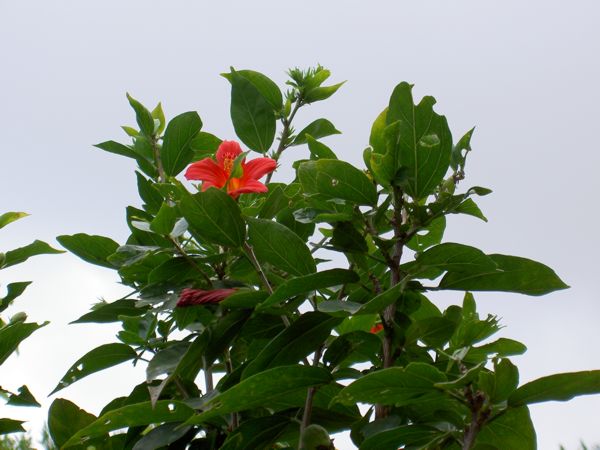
column 393, row 386
column 346, row 238
column 165, row 219
column 11, row 426
column 176, row 152
column 460, row 150
column 558, row 387
column 501, row 347
column 204, row 144
column 256, row 433
column 215, row 216
column 139, row 414
column 432, row 331
column 251, row 113
column 267, row 88
column 404, row 436
column 337, row 179
column 431, row 235
column 295, row 342
column 514, row 274
column 316, row 130
column 118, row 149
column 303, row 284
column 22, row 254
column 421, row 142
column 100, row 358
column 321, row 92
column 276, row 244
column 506, row 380
column 159, row 114
column 13, row 334
column 143, row 117
column 65, row 418
column 379, row 302
column 10, row 217
column 456, row 258
column 90, row 248
column 161, row 436
column 13, row 290
column 23, row 398
column 149, row 194
column 470, row 208
column 511, row 429
column 318, row 150
column 166, row 360
column 262, row 389
column 244, row 299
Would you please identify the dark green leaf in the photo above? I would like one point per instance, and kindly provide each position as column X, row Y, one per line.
column 166, row 360
column 149, row 194
column 470, row 208
column 267, row 88
column 11, row 426
column 404, row 436
column 143, row 117
column 176, row 152
column 263, row 388
column 379, row 302
column 278, row 245
column 118, row 149
column 100, row 358
column 433, row 331
column 429, row 236
column 456, row 258
column 22, row 254
column 23, row 398
column 90, row 248
column 514, row 274
column 223, row 333
column 10, row 217
column 139, row 414
column 316, row 130
column 215, row 216
column 459, row 151
column 558, row 387
column 295, row 342
column 244, row 299
column 65, row 418
column 13, row 290
column 165, row 219
column 161, row 436
column 110, row 312
column 256, row 433
column 318, row 150
column 13, row 334
column 204, row 144
column 395, row 385
column 347, row 238
column 337, row 179
column 511, row 429
column 251, row 113
column 308, row 283
column 501, row 347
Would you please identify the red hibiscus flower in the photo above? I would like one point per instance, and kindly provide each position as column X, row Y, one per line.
column 190, row 297
column 376, row 328
column 218, row 174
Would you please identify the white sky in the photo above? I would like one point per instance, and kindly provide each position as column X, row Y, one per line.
column 525, row 73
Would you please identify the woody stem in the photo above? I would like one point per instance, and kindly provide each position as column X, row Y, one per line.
column 285, row 132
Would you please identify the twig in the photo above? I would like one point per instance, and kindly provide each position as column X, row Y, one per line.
column 310, row 395
column 285, row 134
column 190, row 260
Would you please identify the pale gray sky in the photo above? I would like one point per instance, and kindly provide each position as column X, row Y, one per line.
column 525, row 73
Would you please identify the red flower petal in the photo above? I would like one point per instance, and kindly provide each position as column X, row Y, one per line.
column 248, row 187
column 258, row 168
column 190, row 297
column 207, row 170
column 228, row 150
column 376, row 328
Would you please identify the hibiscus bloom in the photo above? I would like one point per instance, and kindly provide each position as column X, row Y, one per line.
column 190, row 297
column 218, row 174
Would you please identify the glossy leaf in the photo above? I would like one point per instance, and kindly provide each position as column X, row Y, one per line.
column 98, row 359
column 11, row 426
column 267, row 88
column 143, row 117
column 322, row 92
column 318, row 150
column 176, row 152
column 13, row 290
column 165, row 219
column 256, row 433
column 215, row 216
column 110, row 312
column 456, row 258
column 161, row 436
column 558, row 387
column 514, row 274
column 166, row 360
column 13, row 334
column 22, row 254
column 278, row 245
column 316, row 129
column 90, row 248
column 303, row 284
column 251, row 113
column 337, row 179
column 412, row 436
column 65, row 419
column 261, row 389
column 511, row 429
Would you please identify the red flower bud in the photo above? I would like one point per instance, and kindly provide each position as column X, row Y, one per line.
column 376, row 328
column 190, row 297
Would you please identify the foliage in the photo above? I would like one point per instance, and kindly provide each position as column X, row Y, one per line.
column 16, row 329
column 239, row 289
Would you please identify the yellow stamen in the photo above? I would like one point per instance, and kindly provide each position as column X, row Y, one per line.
column 228, row 164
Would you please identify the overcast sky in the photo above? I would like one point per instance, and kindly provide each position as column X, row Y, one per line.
column 525, row 73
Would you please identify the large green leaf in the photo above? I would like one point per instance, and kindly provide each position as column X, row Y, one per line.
column 263, row 388
column 22, row 254
column 215, row 216
column 267, row 88
column 139, row 414
column 337, row 179
column 295, row 342
column 256, row 433
column 316, row 129
column 10, row 217
column 166, row 360
column 13, row 290
column 176, row 152
column 456, row 258
column 417, row 140
column 307, row 283
column 379, row 302
column 276, row 244
column 13, row 334
column 161, row 436
column 512, row 429
column 395, row 385
column 401, row 437
column 513, row 274
column 251, row 113
column 11, row 426
column 65, row 419
column 143, row 117
column 110, row 312
column 100, row 358
column 558, row 387
column 90, row 248
column 118, row 149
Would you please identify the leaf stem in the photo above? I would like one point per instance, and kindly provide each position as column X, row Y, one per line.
column 159, row 165
column 190, row 260
column 308, row 405
column 287, row 122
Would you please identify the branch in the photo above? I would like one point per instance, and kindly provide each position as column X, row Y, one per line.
column 310, row 395
column 159, row 165
column 287, row 122
column 190, row 260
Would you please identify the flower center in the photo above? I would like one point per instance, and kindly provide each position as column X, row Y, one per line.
column 228, row 163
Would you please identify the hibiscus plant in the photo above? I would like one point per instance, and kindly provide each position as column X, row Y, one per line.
column 274, row 314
